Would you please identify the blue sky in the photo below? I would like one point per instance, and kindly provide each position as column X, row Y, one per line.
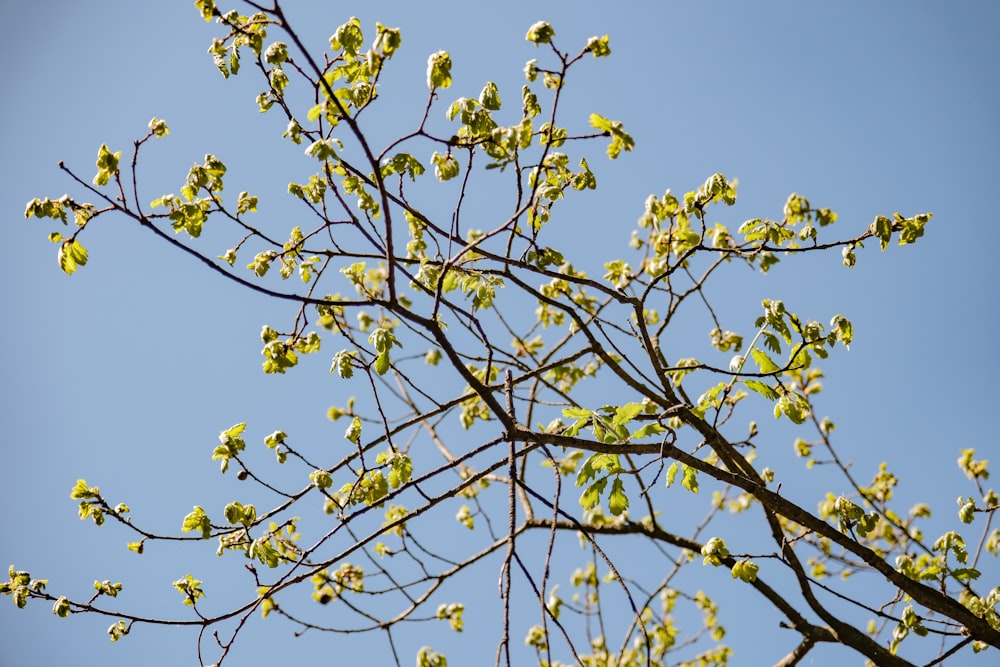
column 124, row 373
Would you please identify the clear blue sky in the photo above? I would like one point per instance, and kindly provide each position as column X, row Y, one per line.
column 124, row 373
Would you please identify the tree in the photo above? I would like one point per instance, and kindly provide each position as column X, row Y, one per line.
column 573, row 411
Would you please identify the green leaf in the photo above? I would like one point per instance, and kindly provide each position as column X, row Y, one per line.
column 309, row 343
column 600, row 123
column 531, row 74
column 229, row 257
column 383, row 339
column 279, row 357
column 586, row 470
column 446, row 167
column 671, row 474
column 609, row 462
column 761, row 388
column 490, row 97
column 725, row 341
column 276, row 53
column 61, row 608
column 92, row 510
column 400, row 467
column 452, row 612
column 206, row 8
column 48, row 208
column 321, row 479
column 427, row 657
column 582, row 416
column 198, row 521
column 881, row 227
column 710, row 399
column 966, row 573
column 592, row 494
column 107, row 165
column 771, row 342
column 190, row 588
column 540, row 33
column 71, row 256
column 794, row 406
column 690, row 480
column 275, row 439
column 323, row 149
column 82, row 491
column 649, row 429
column 402, row 163
column 850, row 258
column 598, row 46
column 912, row 228
column 952, row 541
column 353, row 432
column 343, row 364
column 745, row 570
column 402, row 470
column 158, row 127
column 348, row 38
column 231, row 445
column 118, row 630
column 620, row 139
column 967, row 511
column 387, row 39
column 715, row 551
column 439, row 70
column 617, row 500
column 233, row 432
column 764, row 362
column 246, row 203
column 264, row 552
column 236, row 512
column 370, row 489
column 682, row 368
column 843, row 330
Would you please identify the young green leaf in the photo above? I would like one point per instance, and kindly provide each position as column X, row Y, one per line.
column 490, row 97
column 445, row 166
column 353, row 432
column 383, row 339
column 159, row 127
column 61, row 608
column 690, row 480
column 388, row 40
column 671, row 474
column 348, row 38
column 198, row 521
column 591, row 496
column 81, row 491
column 745, row 570
column 540, row 33
column 206, row 8
column 617, row 500
column 71, row 256
column 439, row 70
column 761, row 388
column 715, row 551
column 190, row 588
column 107, row 165
column 764, row 362
column 598, row 46
column 620, row 139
